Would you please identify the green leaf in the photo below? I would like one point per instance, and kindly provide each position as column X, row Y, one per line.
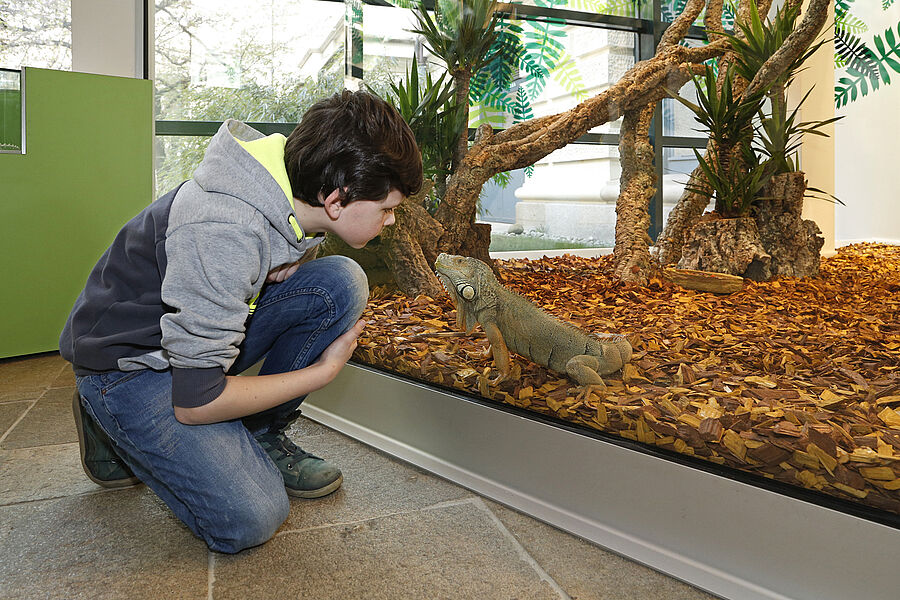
column 893, row 63
column 857, row 54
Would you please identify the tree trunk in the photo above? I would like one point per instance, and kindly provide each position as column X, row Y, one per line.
column 793, row 243
column 632, row 250
column 773, row 240
column 729, row 246
column 525, row 143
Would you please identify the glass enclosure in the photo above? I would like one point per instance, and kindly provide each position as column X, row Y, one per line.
column 12, row 123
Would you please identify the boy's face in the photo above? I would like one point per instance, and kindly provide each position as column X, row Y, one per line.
column 360, row 221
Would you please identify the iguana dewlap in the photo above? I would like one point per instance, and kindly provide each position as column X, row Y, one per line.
column 513, row 323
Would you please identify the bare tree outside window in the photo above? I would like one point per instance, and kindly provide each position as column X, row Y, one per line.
column 36, row 33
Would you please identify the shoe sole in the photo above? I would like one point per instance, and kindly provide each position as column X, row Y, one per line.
column 79, row 425
column 322, row 491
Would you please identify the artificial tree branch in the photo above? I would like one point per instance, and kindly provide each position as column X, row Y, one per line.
column 631, row 255
column 796, row 44
column 712, row 20
column 675, row 32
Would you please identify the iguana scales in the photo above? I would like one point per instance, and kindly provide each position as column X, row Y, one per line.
column 513, row 323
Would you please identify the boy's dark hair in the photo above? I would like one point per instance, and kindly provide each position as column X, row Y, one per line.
column 352, row 140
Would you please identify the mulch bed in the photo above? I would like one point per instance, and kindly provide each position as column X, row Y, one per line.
column 796, row 380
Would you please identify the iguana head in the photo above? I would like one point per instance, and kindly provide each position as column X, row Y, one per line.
column 469, row 282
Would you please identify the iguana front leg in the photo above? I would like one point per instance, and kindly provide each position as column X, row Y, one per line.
column 500, row 351
column 583, row 369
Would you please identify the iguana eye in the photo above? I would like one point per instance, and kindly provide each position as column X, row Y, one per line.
column 466, row 291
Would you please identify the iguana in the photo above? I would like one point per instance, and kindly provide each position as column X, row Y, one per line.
column 513, row 323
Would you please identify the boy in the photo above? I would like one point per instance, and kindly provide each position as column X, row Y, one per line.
column 211, row 278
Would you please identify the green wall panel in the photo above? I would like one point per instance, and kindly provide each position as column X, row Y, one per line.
column 87, row 170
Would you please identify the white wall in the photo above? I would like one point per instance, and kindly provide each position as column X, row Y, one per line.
column 107, row 37
column 867, row 170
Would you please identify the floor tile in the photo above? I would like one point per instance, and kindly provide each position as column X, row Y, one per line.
column 374, row 485
column 121, row 544
column 455, row 552
column 10, row 413
column 66, row 378
column 586, row 571
column 42, row 472
column 49, row 422
column 26, row 378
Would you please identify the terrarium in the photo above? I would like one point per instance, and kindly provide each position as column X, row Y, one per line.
column 776, row 368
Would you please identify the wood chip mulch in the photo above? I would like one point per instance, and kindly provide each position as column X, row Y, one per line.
column 796, row 380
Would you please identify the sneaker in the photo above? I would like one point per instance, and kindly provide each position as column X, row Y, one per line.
column 98, row 458
column 305, row 475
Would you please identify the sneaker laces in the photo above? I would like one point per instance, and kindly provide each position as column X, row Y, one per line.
column 278, row 442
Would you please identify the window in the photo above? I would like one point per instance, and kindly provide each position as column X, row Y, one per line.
column 36, row 33
column 11, row 118
column 217, row 60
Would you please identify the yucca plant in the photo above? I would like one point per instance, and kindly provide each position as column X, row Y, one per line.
column 729, row 122
column 780, row 132
column 461, row 32
column 436, row 120
column 780, row 135
column 735, row 185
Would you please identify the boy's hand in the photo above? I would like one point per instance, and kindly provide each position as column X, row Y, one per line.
column 340, row 350
column 280, row 273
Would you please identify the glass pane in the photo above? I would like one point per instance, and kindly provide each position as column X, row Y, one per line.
column 559, row 66
column 678, row 119
column 36, row 33
column 218, row 60
column 176, row 159
column 389, row 47
column 678, row 163
column 568, row 201
column 10, row 111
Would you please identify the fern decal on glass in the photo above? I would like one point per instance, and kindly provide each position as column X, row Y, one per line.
column 862, row 67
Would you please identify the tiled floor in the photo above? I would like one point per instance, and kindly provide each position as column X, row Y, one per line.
column 392, row 531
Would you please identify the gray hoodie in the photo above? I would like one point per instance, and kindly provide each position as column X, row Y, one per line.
column 173, row 288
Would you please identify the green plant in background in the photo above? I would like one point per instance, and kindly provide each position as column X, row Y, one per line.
column 461, row 34
column 734, row 172
column 861, row 67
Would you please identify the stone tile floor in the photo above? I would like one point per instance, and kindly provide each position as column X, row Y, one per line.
column 392, row 531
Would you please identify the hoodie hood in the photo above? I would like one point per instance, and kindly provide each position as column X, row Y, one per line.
column 232, row 166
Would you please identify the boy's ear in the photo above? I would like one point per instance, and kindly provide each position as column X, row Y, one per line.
column 333, row 205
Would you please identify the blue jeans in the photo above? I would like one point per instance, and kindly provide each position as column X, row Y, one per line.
column 216, row 478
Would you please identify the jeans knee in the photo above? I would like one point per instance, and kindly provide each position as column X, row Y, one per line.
column 356, row 282
column 249, row 523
